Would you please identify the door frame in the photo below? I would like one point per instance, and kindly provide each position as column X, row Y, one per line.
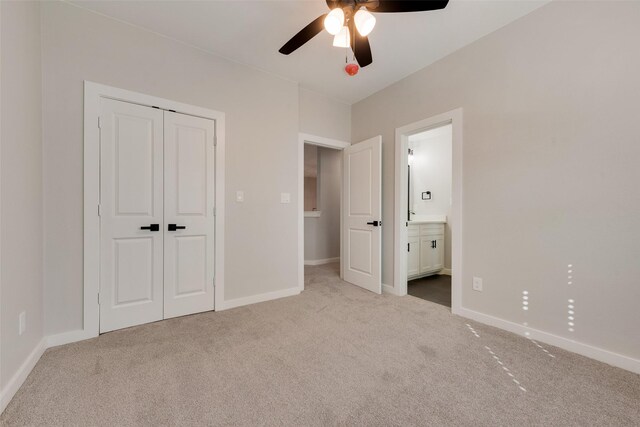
column 321, row 141
column 453, row 117
column 93, row 93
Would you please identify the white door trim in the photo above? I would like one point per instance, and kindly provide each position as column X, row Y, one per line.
column 321, row 141
column 93, row 92
column 453, row 117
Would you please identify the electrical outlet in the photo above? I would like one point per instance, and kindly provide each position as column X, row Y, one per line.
column 477, row 284
column 22, row 322
column 240, row 196
column 285, row 198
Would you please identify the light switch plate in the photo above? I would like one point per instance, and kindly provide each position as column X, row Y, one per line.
column 285, row 198
column 477, row 284
column 240, row 196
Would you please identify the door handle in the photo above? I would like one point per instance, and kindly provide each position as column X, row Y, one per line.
column 375, row 223
column 433, row 244
column 151, row 227
column 174, row 227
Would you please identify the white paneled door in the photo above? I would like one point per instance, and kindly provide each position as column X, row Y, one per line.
column 156, row 214
column 362, row 214
column 131, row 214
column 188, row 214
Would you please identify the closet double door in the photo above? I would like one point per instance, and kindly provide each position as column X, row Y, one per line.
column 156, row 214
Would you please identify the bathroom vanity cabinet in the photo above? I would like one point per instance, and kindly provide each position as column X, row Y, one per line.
column 425, row 249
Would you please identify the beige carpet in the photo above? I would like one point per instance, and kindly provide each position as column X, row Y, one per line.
column 335, row 355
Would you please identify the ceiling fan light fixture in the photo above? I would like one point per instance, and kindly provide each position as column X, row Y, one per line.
column 365, row 21
column 343, row 38
column 334, row 21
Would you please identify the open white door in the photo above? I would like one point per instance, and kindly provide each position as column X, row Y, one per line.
column 362, row 212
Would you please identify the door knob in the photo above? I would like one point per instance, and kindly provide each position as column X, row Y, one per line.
column 174, row 227
column 151, row 227
column 375, row 223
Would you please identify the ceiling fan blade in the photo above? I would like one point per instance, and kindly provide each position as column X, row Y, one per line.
column 304, row 35
column 333, row 3
column 394, row 6
column 360, row 47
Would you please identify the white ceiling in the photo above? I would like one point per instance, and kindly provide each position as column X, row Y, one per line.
column 251, row 32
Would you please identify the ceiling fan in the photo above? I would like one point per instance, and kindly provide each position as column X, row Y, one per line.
column 350, row 21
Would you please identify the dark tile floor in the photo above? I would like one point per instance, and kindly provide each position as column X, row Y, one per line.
column 436, row 288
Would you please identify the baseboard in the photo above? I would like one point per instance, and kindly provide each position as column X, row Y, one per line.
column 21, row 375
column 445, row 271
column 606, row 356
column 67, row 337
column 268, row 296
column 388, row 289
column 321, row 261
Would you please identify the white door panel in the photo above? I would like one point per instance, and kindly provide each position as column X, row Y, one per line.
column 438, row 257
column 426, row 254
column 362, row 209
column 413, row 259
column 130, row 197
column 133, row 261
column 359, row 244
column 189, row 203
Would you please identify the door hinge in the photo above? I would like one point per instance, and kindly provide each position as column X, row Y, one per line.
column 99, row 210
column 408, row 247
column 215, row 140
column 98, row 298
column 99, row 123
column 214, row 211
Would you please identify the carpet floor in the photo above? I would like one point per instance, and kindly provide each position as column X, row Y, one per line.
column 436, row 288
column 334, row 355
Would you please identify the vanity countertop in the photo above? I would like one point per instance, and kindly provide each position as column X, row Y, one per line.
column 428, row 219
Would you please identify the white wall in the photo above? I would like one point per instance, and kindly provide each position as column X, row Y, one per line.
column 322, row 234
column 431, row 170
column 551, row 155
column 21, row 184
column 329, row 118
column 261, row 142
column 324, row 116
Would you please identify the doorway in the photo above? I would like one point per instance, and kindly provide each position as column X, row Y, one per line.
column 322, row 200
column 154, row 246
column 429, row 170
column 360, row 216
column 320, row 190
column 428, row 210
